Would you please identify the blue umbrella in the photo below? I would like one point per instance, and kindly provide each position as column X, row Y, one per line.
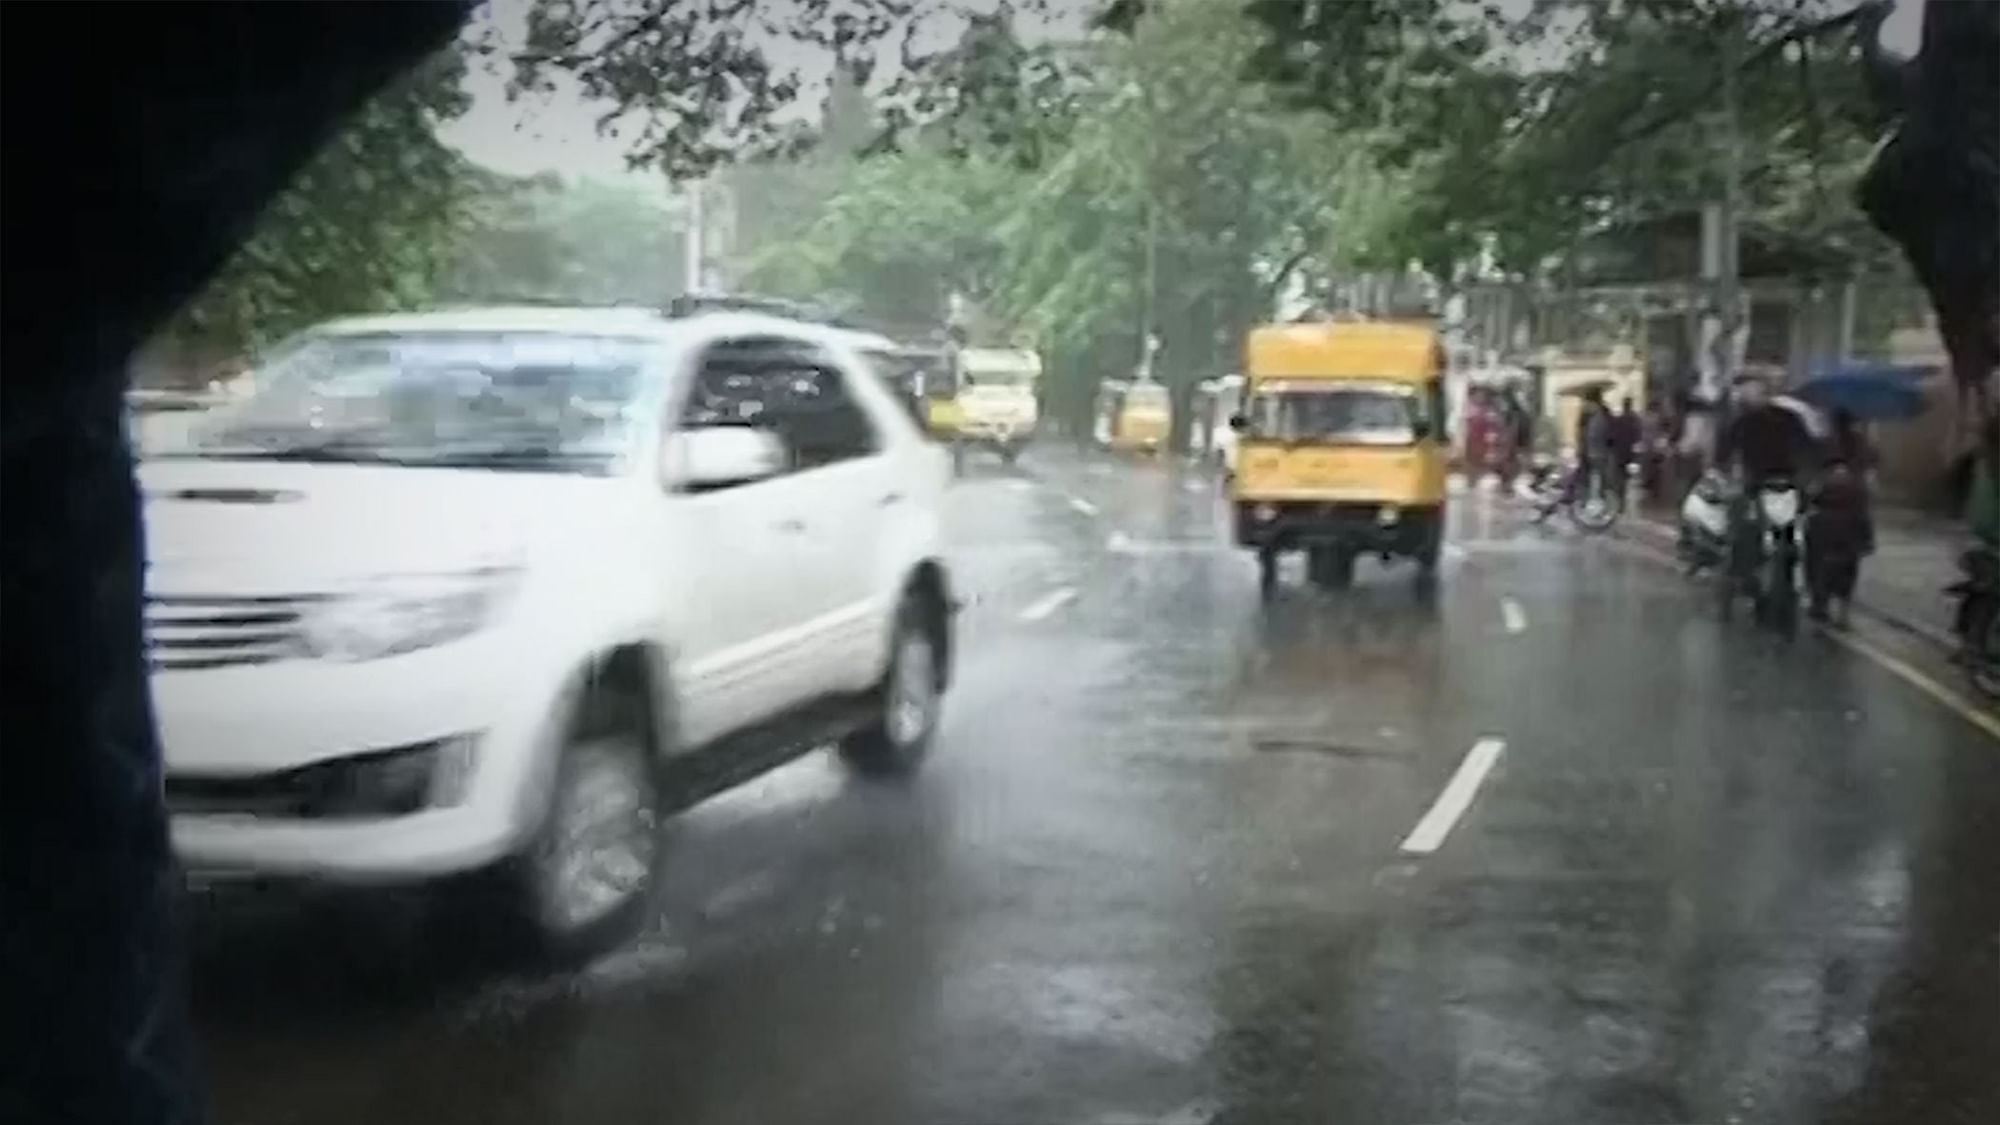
column 1871, row 392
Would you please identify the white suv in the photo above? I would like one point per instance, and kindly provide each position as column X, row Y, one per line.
column 483, row 596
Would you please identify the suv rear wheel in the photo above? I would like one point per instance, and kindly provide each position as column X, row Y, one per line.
column 909, row 698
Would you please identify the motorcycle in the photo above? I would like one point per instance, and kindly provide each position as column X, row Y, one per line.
column 1552, row 486
column 1767, row 575
column 1977, row 621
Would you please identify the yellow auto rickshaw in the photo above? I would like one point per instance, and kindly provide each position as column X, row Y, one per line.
column 1144, row 418
column 1342, row 449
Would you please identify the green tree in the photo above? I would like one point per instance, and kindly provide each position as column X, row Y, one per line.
column 587, row 242
column 1182, row 199
column 707, row 83
column 1522, row 130
column 368, row 224
column 1083, row 194
column 894, row 237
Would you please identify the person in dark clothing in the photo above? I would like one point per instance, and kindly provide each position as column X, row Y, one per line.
column 1624, row 434
column 1595, row 447
column 1520, row 436
column 1656, row 436
column 1763, row 443
column 1840, row 532
column 1850, row 444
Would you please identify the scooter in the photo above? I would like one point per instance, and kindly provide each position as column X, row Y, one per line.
column 1703, row 544
column 1977, row 621
column 1551, row 487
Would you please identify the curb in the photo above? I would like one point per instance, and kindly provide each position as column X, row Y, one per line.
column 1662, row 536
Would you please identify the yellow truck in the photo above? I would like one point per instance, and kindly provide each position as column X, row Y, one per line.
column 1342, row 449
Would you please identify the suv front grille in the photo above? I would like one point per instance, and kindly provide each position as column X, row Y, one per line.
column 220, row 632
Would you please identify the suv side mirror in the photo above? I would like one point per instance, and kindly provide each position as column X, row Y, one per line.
column 1238, row 422
column 719, row 456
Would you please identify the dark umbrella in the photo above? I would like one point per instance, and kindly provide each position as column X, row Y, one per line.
column 1872, row 393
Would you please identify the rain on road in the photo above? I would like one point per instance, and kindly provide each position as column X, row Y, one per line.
column 1549, row 845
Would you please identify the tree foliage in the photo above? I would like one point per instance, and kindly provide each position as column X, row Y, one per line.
column 367, row 224
column 1084, row 195
column 1525, row 128
column 708, row 82
column 587, row 242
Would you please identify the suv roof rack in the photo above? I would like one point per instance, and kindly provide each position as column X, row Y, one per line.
column 503, row 300
column 694, row 304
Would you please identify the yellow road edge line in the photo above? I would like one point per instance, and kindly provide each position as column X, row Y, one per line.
column 1895, row 665
column 1954, row 701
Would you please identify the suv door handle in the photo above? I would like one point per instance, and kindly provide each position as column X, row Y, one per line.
column 791, row 527
column 892, row 498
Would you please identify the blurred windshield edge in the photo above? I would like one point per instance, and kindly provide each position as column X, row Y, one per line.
column 427, row 397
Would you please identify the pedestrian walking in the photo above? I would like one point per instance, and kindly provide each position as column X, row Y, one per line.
column 1840, row 533
column 1623, row 434
column 1654, row 445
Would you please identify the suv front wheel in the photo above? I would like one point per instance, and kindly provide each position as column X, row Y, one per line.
column 584, row 882
column 906, row 704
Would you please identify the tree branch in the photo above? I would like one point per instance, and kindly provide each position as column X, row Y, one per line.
column 1284, row 274
column 1763, row 53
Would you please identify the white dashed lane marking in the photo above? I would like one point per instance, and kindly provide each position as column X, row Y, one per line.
column 1430, row 832
column 1048, row 604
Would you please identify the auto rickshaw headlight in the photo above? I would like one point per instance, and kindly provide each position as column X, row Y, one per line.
column 1265, row 513
column 1388, row 515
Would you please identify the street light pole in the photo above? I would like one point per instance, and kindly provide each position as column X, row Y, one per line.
column 691, row 245
column 1730, row 291
column 1150, row 282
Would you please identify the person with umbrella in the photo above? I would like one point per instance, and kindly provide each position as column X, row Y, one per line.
column 1840, row 533
column 1765, row 439
column 1850, row 442
column 1764, row 442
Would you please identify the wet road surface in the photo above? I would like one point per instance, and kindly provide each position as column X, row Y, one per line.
column 1165, row 867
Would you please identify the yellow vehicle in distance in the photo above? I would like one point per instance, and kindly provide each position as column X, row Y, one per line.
column 1141, row 416
column 1341, row 447
column 998, row 404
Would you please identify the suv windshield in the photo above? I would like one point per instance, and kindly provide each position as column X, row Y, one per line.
column 522, row 400
column 1336, row 414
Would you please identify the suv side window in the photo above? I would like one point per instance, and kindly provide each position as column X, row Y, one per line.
column 789, row 387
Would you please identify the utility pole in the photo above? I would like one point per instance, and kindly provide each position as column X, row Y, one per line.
column 693, row 251
column 1720, row 324
column 1729, row 290
column 1150, row 283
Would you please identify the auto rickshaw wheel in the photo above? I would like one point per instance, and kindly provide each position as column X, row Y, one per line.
column 1430, row 554
column 1267, row 571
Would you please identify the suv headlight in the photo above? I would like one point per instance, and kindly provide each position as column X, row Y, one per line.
column 391, row 616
